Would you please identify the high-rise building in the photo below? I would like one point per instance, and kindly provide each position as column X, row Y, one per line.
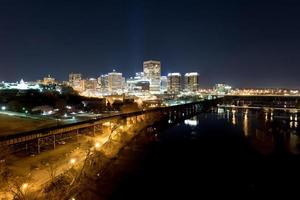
column 191, row 81
column 74, row 77
column 152, row 70
column 76, row 82
column 174, row 83
column 222, row 89
column 103, row 83
column 138, row 83
column 115, row 82
column 90, row 84
column 163, row 84
column 139, row 75
column 48, row 80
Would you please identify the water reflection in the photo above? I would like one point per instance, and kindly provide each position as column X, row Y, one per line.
column 266, row 116
column 220, row 110
column 233, row 117
column 291, row 124
column 191, row 122
column 267, row 131
column 245, row 123
column 271, row 118
column 228, row 115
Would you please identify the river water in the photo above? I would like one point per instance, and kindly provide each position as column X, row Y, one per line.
column 224, row 153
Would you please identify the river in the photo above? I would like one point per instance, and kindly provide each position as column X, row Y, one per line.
column 225, row 152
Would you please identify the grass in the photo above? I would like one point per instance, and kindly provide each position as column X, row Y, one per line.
column 14, row 124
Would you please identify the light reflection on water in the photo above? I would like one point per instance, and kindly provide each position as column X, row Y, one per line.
column 192, row 121
column 233, row 117
column 266, row 131
column 245, row 123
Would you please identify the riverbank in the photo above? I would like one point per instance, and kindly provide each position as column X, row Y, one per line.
column 201, row 158
column 59, row 173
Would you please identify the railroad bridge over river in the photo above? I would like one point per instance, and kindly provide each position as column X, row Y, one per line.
column 47, row 138
column 274, row 101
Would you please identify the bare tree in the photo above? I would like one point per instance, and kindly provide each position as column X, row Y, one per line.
column 20, row 189
column 4, row 156
column 52, row 170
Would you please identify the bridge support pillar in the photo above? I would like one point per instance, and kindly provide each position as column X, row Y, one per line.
column 77, row 135
column 38, row 146
column 54, row 142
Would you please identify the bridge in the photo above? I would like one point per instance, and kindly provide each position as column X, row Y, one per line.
column 260, row 101
column 47, row 138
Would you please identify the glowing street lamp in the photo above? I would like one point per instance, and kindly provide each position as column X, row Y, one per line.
column 24, row 186
column 3, row 107
column 72, row 161
column 97, row 145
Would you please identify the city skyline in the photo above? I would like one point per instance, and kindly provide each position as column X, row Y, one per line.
column 149, row 99
column 242, row 43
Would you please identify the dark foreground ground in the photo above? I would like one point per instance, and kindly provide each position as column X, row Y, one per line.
column 213, row 159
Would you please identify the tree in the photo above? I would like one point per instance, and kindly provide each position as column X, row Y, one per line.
column 52, row 170
column 4, row 156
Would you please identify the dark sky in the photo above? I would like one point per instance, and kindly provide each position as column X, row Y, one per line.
column 245, row 43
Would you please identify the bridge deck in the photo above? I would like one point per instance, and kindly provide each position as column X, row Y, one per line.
column 44, row 132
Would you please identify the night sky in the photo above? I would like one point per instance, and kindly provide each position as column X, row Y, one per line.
column 250, row 43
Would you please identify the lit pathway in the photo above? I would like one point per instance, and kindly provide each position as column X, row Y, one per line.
column 62, row 155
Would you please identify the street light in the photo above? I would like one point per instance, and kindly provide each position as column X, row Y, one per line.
column 97, row 145
column 3, row 107
column 72, row 161
column 24, row 186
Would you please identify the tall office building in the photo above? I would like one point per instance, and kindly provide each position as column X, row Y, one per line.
column 138, row 83
column 74, row 77
column 90, row 84
column 76, row 82
column 103, row 83
column 163, row 84
column 115, row 82
column 191, row 81
column 152, row 70
column 174, row 83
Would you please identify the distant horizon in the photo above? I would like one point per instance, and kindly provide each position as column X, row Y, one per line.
column 127, row 77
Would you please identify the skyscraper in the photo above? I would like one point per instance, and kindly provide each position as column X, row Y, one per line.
column 152, row 70
column 163, row 84
column 115, row 82
column 191, row 81
column 76, row 82
column 174, row 83
column 137, row 83
column 103, row 83
column 90, row 84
